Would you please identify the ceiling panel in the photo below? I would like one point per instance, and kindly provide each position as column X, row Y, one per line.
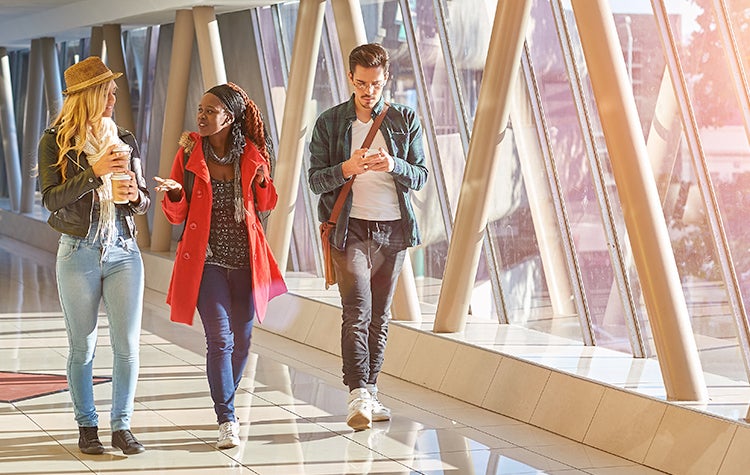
column 23, row 20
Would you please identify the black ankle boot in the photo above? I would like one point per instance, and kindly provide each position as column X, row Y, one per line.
column 126, row 441
column 88, row 440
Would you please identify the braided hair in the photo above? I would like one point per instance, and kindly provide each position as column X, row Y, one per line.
column 247, row 124
column 248, row 120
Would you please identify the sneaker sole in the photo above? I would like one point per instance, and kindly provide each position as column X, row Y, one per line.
column 227, row 444
column 381, row 418
column 359, row 422
column 136, row 451
column 93, row 451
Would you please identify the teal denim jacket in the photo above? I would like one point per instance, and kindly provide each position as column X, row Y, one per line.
column 331, row 146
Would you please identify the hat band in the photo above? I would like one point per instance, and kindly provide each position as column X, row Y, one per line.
column 90, row 82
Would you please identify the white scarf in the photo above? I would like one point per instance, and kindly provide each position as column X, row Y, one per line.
column 97, row 143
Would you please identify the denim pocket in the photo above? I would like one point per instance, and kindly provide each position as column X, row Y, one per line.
column 67, row 247
column 389, row 235
column 130, row 245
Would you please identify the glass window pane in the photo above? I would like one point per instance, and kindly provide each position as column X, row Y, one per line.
column 739, row 13
column 613, row 325
column 515, row 246
column 725, row 145
column 570, row 153
column 469, row 26
column 384, row 23
column 135, row 42
column 428, row 260
column 303, row 249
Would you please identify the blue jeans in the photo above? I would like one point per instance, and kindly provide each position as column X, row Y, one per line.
column 226, row 307
column 86, row 275
column 367, row 270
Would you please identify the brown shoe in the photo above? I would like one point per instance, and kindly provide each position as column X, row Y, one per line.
column 88, row 440
column 126, row 441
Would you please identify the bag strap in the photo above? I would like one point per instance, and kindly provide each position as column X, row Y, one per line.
column 348, row 185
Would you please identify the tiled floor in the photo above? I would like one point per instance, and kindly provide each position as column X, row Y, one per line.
column 291, row 405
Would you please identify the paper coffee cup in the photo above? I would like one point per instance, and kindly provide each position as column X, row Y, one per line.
column 123, row 147
column 120, row 183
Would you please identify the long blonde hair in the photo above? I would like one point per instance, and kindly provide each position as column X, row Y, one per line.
column 79, row 110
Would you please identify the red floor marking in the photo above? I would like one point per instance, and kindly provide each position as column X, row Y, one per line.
column 16, row 387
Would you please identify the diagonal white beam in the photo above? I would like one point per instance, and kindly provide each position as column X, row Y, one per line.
column 493, row 110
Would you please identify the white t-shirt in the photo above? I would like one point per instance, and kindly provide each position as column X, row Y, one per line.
column 374, row 193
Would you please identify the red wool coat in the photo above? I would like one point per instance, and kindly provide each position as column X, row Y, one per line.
column 191, row 250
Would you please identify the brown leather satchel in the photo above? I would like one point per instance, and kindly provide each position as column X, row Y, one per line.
column 326, row 227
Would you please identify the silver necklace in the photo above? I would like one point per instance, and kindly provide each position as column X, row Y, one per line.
column 210, row 154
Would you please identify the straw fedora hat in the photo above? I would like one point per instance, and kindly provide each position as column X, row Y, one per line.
column 89, row 72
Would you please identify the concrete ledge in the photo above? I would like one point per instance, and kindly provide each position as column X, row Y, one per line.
column 29, row 230
column 646, row 430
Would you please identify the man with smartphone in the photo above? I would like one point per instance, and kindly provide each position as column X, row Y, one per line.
column 380, row 145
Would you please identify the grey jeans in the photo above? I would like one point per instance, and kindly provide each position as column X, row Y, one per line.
column 367, row 271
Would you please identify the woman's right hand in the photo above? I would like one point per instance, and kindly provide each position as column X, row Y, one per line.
column 166, row 184
column 111, row 162
column 171, row 187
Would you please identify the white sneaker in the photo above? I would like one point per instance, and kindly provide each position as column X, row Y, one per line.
column 379, row 411
column 360, row 409
column 229, row 435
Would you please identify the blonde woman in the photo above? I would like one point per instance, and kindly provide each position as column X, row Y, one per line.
column 97, row 257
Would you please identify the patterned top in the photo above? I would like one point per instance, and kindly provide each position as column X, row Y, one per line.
column 227, row 239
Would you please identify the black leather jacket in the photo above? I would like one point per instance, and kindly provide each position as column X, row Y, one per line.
column 71, row 203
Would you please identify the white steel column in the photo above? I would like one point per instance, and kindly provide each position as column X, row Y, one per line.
column 124, row 109
column 663, row 145
column 663, row 138
column 9, row 134
column 31, row 126
column 649, row 238
column 52, row 88
column 209, row 47
column 174, row 116
column 97, row 42
column 294, row 125
column 350, row 28
column 490, row 122
column 542, row 206
column 116, row 62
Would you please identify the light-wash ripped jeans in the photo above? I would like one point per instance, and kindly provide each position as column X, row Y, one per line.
column 86, row 275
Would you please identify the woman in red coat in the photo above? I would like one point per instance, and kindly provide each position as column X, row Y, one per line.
column 224, row 266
